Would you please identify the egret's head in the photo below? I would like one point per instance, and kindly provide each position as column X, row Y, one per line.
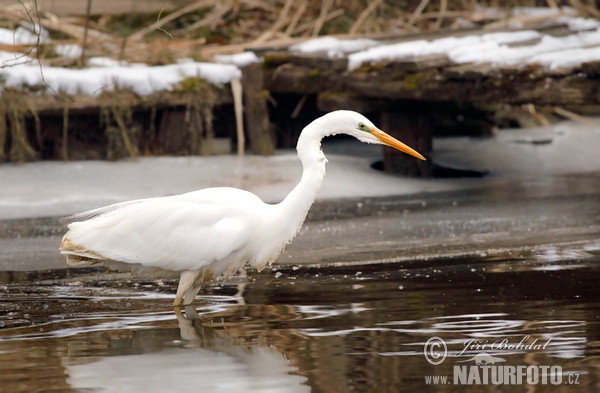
column 361, row 128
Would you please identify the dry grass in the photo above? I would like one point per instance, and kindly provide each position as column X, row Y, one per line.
column 205, row 27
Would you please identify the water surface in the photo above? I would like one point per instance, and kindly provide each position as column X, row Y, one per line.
column 300, row 329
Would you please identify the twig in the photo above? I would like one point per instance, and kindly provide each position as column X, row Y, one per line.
column 299, row 106
column 443, row 9
column 52, row 22
column 308, row 25
column 418, row 11
column 364, row 15
column 23, row 50
column 37, row 123
column 217, row 13
column 129, row 146
column 160, row 28
column 278, row 23
column 296, row 18
column 322, row 17
column 584, row 9
column 159, row 23
column 38, row 39
column 522, row 20
column 236, row 90
column 451, row 14
column 537, row 116
column 86, row 27
column 570, row 115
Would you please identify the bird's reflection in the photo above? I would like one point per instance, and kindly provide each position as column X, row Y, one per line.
column 204, row 359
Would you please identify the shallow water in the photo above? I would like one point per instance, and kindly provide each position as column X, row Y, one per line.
column 362, row 329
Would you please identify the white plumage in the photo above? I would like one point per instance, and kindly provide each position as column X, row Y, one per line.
column 213, row 231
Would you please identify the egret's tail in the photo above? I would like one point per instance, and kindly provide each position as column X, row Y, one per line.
column 77, row 255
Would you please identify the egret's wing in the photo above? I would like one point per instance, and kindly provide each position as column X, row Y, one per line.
column 89, row 214
column 184, row 232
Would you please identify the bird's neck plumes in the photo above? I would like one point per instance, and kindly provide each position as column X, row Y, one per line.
column 300, row 199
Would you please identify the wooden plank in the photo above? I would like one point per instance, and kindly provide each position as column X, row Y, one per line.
column 290, row 78
column 591, row 69
column 469, row 71
column 418, row 64
column 465, row 85
column 320, row 62
column 332, row 101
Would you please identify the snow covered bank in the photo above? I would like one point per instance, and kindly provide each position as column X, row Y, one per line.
column 494, row 48
column 513, row 48
column 106, row 74
column 516, row 48
column 23, row 71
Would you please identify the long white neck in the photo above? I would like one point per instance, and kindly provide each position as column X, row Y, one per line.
column 296, row 205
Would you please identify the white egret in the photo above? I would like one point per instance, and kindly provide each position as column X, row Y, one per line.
column 214, row 231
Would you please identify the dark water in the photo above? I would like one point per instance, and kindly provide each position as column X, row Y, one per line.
column 361, row 329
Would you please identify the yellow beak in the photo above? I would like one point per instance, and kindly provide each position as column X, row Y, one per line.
column 395, row 143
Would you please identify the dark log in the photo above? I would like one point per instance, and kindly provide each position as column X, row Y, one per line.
column 172, row 135
column 320, row 62
column 256, row 113
column 411, row 125
column 332, row 101
column 291, row 78
column 419, row 64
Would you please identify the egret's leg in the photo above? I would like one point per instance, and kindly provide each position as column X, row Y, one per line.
column 186, row 326
column 191, row 313
column 205, row 275
column 186, row 282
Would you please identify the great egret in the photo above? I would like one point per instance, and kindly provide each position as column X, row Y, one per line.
column 214, row 231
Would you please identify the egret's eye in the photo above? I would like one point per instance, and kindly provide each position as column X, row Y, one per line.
column 363, row 127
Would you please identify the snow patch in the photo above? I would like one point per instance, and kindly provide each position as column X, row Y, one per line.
column 107, row 74
column 495, row 48
column 334, row 47
column 239, row 59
